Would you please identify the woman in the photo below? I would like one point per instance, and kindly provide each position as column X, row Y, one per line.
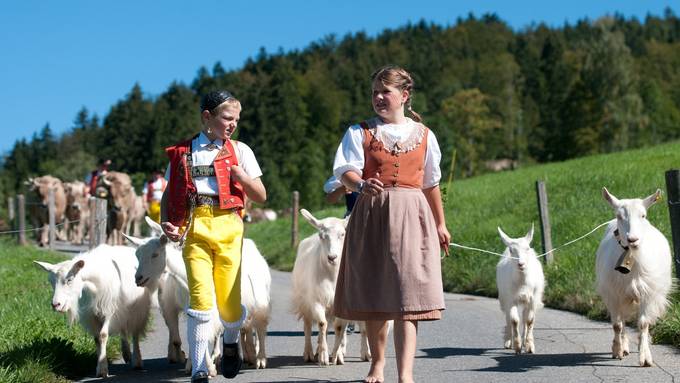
column 390, row 268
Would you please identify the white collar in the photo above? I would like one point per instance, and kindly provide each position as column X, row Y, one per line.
column 204, row 141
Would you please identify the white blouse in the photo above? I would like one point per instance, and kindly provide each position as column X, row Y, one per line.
column 202, row 155
column 350, row 153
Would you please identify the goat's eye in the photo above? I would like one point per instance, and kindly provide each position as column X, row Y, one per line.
column 644, row 216
column 69, row 281
column 155, row 255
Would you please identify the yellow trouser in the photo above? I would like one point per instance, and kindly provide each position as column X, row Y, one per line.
column 155, row 211
column 212, row 255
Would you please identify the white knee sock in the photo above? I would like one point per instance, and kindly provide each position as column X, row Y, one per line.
column 199, row 332
column 232, row 329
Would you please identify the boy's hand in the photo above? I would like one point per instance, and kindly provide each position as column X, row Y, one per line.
column 171, row 231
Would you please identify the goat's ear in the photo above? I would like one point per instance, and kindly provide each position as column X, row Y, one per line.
column 155, row 227
column 45, row 266
column 504, row 237
column 310, row 218
column 77, row 267
column 530, row 234
column 613, row 201
column 652, row 199
column 136, row 242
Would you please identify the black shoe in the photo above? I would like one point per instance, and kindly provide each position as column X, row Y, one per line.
column 231, row 360
column 200, row 377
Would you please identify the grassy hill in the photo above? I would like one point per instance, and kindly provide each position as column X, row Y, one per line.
column 476, row 206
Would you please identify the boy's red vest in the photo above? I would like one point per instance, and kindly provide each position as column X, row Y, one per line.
column 181, row 186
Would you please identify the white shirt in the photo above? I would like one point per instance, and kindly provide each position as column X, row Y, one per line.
column 201, row 155
column 157, row 190
column 350, row 153
column 331, row 185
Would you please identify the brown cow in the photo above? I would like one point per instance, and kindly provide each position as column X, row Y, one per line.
column 117, row 188
column 77, row 211
column 37, row 200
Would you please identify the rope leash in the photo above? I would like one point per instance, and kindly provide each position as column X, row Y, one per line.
column 538, row 256
column 40, row 228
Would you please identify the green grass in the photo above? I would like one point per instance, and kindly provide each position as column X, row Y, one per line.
column 476, row 206
column 37, row 344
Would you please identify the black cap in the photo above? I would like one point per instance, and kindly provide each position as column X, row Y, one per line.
column 213, row 99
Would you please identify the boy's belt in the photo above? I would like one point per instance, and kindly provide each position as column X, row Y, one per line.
column 207, row 200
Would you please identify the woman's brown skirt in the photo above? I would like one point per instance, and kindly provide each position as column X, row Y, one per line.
column 390, row 266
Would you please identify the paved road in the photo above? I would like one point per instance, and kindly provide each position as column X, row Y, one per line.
column 465, row 346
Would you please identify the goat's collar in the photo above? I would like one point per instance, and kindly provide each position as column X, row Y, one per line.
column 618, row 239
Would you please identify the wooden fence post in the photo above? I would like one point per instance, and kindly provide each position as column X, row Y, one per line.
column 673, row 192
column 21, row 218
column 294, row 216
column 11, row 222
column 51, row 216
column 546, row 235
column 97, row 221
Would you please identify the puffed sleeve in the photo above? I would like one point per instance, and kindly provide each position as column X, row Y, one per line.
column 432, row 173
column 350, row 153
column 331, row 185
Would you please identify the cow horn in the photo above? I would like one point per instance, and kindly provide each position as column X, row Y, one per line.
column 106, row 182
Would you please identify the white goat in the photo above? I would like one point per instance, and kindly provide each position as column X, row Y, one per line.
column 161, row 260
column 256, row 283
column 520, row 281
column 647, row 284
column 97, row 289
column 314, row 277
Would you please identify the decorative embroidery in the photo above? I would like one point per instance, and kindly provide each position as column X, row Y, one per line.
column 203, row 171
column 394, row 144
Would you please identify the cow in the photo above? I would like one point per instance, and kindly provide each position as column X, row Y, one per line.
column 116, row 188
column 38, row 194
column 77, row 211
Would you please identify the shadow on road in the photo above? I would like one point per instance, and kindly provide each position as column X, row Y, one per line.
column 445, row 352
column 527, row 362
column 156, row 370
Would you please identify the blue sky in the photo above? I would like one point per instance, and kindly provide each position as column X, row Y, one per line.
column 58, row 56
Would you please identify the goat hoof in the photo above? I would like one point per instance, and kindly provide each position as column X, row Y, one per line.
column 507, row 344
column 323, row 359
column 261, row 363
column 339, row 359
column 102, row 372
column 646, row 361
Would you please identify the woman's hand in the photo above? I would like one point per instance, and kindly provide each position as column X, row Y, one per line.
column 171, row 231
column 372, row 186
column 444, row 238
